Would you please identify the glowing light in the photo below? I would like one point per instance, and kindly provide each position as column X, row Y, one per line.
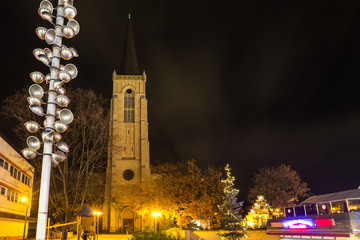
column 299, row 224
column 23, row 199
column 324, row 222
column 156, row 214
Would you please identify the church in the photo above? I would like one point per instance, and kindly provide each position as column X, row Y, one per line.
column 129, row 158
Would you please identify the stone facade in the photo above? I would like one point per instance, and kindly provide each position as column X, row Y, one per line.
column 128, row 161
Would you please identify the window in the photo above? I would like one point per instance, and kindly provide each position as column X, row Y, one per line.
column 1, row 162
column 12, row 196
column 324, row 208
column 129, row 105
column 18, row 175
column 11, row 170
column 289, row 212
column 339, row 207
column 6, row 165
column 15, row 173
column 23, row 178
column 354, row 205
column 311, row 209
column 300, row 211
column 8, row 194
column 2, row 191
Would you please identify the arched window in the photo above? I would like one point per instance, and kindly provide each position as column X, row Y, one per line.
column 129, row 105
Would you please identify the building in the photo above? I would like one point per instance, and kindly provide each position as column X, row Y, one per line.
column 128, row 159
column 333, row 216
column 16, row 179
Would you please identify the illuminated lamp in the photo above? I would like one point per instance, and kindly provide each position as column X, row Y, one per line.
column 324, row 222
column 298, row 224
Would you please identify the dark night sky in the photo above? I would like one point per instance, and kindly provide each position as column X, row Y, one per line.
column 249, row 83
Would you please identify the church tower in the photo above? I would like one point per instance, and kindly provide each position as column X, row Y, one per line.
column 128, row 159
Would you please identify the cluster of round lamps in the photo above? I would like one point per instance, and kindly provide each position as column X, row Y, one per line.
column 64, row 74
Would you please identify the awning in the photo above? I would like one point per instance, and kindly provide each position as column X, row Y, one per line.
column 332, row 197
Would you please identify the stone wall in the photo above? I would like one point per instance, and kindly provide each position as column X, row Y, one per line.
column 213, row 235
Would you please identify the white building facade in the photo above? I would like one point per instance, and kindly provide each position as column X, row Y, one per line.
column 16, row 179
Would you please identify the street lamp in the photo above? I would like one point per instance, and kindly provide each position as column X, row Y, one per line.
column 155, row 215
column 23, row 199
column 97, row 223
column 56, row 120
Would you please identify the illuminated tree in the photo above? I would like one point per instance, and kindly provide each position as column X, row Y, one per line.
column 231, row 208
column 181, row 191
column 259, row 213
column 279, row 185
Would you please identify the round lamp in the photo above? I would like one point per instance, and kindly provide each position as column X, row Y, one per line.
column 40, row 32
column 63, row 146
column 29, row 153
column 66, row 116
column 32, row 126
column 33, row 142
column 62, row 100
column 70, row 11
column 60, row 126
column 36, row 90
column 71, row 69
column 37, row 77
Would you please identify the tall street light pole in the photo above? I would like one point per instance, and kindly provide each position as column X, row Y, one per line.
column 97, row 224
column 155, row 215
column 56, row 119
column 23, row 199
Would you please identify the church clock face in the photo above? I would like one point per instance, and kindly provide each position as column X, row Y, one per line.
column 128, row 175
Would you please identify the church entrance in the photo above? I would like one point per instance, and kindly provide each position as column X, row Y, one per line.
column 128, row 220
column 128, row 225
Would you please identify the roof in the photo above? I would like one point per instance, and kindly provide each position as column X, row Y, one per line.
column 330, row 197
column 86, row 212
column 129, row 64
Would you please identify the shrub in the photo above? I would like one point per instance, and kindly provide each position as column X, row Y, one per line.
column 148, row 234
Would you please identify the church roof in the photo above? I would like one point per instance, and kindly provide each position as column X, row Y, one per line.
column 129, row 64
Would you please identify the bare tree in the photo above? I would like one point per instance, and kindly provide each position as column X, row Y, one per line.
column 73, row 181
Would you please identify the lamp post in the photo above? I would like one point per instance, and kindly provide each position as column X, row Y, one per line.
column 155, row 215
column 23, row 199
column 97, row 223
column 56, row 120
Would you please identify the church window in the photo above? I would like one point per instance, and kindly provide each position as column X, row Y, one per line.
column 129, row 105
column 128, row 175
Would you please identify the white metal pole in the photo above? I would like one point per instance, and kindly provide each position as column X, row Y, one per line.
column 50, row 118
column 26, row 212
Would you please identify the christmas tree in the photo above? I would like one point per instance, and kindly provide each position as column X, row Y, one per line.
column 231, row 208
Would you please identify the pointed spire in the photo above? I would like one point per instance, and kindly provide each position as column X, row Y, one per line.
column 129, row 64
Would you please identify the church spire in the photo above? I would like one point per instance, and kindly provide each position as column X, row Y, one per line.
column 129, row 64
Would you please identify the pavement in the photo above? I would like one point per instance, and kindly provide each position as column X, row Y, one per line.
column 101, row 237
column 114, row 236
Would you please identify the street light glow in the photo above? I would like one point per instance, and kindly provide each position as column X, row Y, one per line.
column 156, row 214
